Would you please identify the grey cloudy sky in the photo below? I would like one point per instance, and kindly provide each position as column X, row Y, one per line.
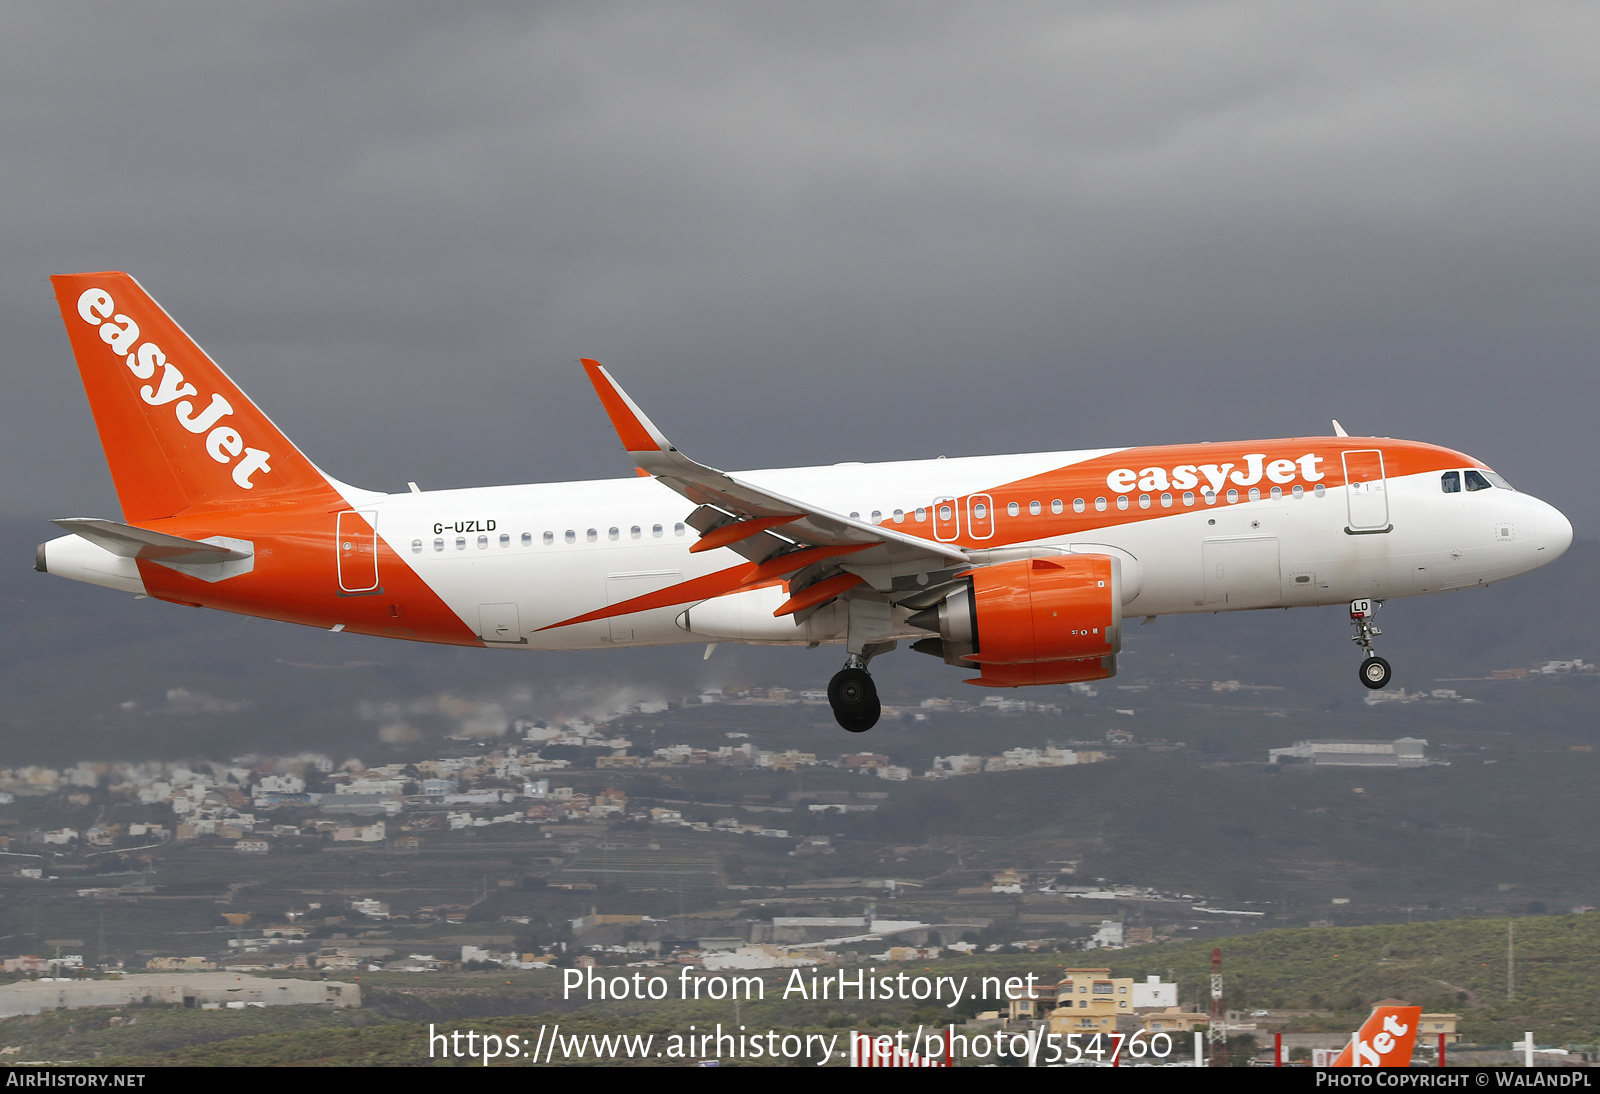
column 807, row 233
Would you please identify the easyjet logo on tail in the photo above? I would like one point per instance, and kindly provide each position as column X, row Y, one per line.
column 1385, row 1040
column 145, row 360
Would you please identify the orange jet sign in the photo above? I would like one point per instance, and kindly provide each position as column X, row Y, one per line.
column 1386, row 1040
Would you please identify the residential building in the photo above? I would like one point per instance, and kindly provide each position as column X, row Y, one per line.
column 1431, row 1026
column 1090, row 1001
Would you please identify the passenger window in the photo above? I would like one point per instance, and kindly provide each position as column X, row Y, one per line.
column 1233, row 496
column 1277, row 491
column 944, row 512
column 980, row 510
column 1056, row 507
column 572, row 537
column 1255, row 493
column 416, row 546
column 1012, row 509
column 1122, row 501
column 899, row 516
column 921, row 515
column 461, row 543
column 1166, row 501
column 677, row 529
column 1298, row 491
column 1188, row 497
column 505, row 540
column 634, row 532
column 1078, row 506
column 877, row 516
column 613, row 534
column 549, row 538
column 1144, row 501
column 1034, row 508
column 483, row 542
column 1320, row 490
column 1210, row 495
column 1450, row 482
column 438, row 545
column 855, row 515
column 655, row 530
column 1100, row 505
column 1476, row 481
column 592, row 535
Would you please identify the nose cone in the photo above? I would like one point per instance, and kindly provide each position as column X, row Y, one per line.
column 1555, row 533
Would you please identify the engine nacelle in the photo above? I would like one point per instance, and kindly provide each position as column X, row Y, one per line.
column 1055, row 620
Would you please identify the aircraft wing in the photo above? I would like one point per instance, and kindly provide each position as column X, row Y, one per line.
column 754, row 521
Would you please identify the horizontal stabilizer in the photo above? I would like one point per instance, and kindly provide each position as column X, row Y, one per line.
column 131, row 542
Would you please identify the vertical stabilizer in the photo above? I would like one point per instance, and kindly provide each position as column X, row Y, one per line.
column 177, row 432
column 1386, row 1040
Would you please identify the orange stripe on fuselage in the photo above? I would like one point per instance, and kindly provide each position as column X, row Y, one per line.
column 741, row 578
column 295, row 577
column 1089, row 480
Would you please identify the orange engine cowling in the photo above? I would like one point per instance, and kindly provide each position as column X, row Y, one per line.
column 1055, row 620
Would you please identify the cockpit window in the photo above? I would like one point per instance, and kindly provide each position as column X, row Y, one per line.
column 1450, row 482
column 1476, row 481
column 1499, row 482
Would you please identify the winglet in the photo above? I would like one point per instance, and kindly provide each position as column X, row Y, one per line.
column 637, row 432
column 1338, row 430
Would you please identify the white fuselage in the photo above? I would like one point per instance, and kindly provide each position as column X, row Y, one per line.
column 558, row 550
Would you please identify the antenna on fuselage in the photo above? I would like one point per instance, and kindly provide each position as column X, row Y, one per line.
column 1338, row 430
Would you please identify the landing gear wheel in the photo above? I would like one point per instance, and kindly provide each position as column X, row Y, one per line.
column 1375, row 672
column 854, row 699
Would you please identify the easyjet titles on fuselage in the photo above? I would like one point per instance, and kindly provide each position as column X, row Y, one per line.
column 1187, row 476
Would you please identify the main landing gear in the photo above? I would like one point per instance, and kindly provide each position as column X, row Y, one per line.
column 1374, row 670
column 854, row 697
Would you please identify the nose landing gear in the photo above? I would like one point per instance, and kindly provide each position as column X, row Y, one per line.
column 854, row 697
column 1374, row 670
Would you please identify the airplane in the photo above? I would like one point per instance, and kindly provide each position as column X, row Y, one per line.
column 1021, row 568
column 1386, row 1039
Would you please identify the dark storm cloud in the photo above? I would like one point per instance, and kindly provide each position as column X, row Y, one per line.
column 814, row 233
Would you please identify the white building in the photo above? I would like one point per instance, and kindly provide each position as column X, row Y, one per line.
column 1405, row 752
column 1153, row 993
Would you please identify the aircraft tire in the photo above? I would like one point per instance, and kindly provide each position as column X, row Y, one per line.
column 1375, row 672
column 854, row 698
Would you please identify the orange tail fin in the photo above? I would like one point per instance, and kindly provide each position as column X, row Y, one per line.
column 1386, row 1040
column 178, row 433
